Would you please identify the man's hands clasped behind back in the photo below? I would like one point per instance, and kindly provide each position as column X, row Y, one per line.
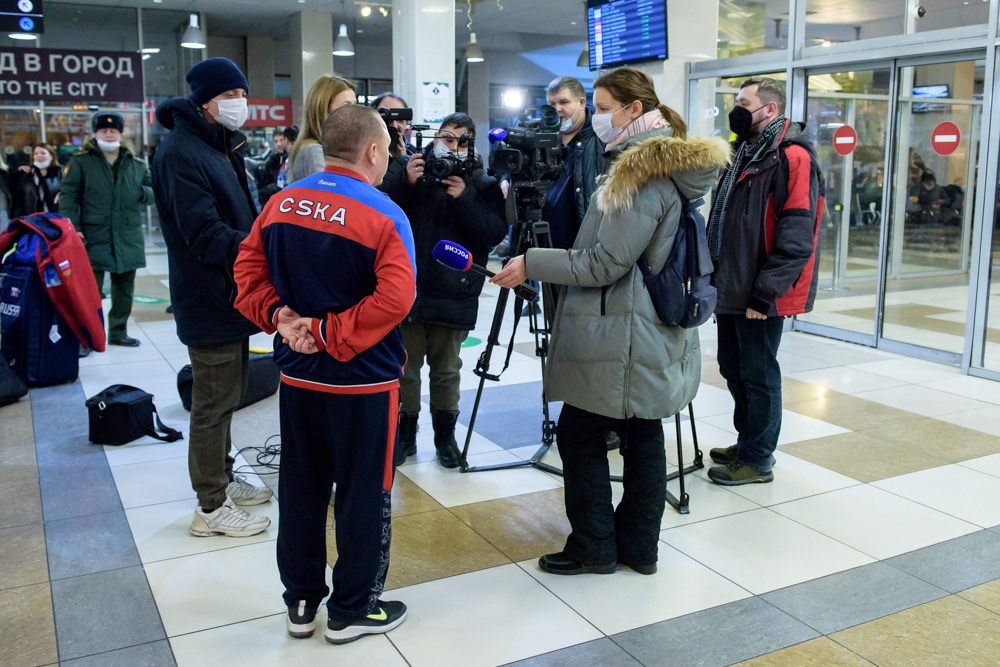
column 294, row 330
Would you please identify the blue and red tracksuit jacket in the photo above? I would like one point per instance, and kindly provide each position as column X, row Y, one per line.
column 769, row 251
column 333, row 248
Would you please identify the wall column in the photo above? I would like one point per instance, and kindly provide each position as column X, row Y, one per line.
column 260, row 66
column 423, row 50
column 312, row 53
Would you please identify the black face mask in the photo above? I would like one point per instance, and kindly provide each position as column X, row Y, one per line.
column 741, row 121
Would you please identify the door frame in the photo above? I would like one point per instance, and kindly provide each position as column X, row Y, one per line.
column 889, row 193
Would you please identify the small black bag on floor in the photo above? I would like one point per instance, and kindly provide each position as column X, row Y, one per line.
column 121, row 413
column 262, row 381
column 11, row 387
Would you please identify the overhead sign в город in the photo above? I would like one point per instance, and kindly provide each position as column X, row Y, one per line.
column 59, row 75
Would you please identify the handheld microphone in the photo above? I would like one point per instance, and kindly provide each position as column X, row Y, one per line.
column 458, row 258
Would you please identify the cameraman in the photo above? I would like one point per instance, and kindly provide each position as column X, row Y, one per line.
column 469, row 210
column 390, row 100
column 583, row 160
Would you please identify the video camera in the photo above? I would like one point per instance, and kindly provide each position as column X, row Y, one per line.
column 530, row 151
column 390, row 115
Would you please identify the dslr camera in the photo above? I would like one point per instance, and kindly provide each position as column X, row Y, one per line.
column 530, row 151
column 436, row 169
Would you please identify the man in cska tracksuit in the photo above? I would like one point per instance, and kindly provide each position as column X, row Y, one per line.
column 329, row 265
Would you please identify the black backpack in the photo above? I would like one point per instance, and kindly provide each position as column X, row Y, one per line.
column 682, row 292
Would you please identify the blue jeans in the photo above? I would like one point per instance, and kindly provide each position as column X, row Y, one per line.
column 748, row 359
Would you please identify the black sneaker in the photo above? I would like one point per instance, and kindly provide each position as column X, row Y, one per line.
column 124, row 341
column 560, row 563
column 385, row 617
column 301, row 620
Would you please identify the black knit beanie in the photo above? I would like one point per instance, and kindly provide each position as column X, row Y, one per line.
column 213, row 76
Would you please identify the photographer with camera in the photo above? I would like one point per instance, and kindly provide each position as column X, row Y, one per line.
column 612, row 362
column 396, row 123
column 445, row 195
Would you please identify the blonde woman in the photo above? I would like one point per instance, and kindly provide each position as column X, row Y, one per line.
column 612, row 362
column 327, row 94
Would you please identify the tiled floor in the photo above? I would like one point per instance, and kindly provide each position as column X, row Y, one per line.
column 877, row 543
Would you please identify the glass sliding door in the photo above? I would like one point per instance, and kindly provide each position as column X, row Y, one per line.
column 847, row 114
column 939, row 111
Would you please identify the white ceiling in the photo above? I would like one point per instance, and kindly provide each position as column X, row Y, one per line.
column 522, row 24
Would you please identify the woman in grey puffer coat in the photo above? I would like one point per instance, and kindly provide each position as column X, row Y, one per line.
column 611, row 361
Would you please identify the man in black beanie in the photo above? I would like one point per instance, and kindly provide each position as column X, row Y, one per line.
column 205, row 213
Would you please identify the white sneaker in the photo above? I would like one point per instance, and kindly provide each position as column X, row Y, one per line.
column 228, row 520
column 242, row 492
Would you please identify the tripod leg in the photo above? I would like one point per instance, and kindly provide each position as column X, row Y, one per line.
column 698, row 457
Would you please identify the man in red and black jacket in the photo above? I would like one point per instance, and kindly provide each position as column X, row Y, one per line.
column 329, row 265
column 762, row 236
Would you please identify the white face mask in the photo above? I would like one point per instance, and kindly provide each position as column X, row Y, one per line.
column 43, row 165
column 569, row 125
column 440, row 150
column 605, row 131
column 109, row 146
column 232, row 113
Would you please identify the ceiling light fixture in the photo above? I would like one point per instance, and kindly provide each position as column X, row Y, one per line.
column 151, row 49
column 473, row 53
column 343, row 45
column 193, row 38
column 584, row 59
column 383, row 11
column 22, row 35
column 366, row 11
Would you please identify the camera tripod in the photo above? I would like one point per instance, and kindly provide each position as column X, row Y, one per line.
column 524, row 206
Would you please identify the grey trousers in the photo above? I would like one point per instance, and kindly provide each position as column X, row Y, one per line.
column 441, row 347
column 220, row 377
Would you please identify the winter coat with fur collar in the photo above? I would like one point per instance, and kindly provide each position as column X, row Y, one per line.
column 610, row 354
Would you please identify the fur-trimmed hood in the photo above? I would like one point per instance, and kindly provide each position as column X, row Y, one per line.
column 692, row 163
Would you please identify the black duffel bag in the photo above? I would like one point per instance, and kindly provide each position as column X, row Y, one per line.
column 263, row 378
column 11, row 386
column 121, row 413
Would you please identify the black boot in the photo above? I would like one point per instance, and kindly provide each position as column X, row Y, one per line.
column 444, row 439
column 407, row 443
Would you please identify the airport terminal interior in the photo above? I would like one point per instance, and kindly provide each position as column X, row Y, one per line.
column 877, row 543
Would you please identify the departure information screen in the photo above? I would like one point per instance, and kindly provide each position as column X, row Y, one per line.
column 626, row 31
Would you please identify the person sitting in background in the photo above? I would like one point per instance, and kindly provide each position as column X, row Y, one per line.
column 927, row 201
column 327, row 94
column 37, row 185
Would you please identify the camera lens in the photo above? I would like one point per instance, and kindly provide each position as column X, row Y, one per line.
column 440, row 168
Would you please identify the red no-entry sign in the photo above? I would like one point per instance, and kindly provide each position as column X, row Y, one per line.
column 845, row 140
column 945, row 138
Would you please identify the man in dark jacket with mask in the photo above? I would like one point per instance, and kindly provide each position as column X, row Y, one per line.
column 762, row 236
column 583, row 159
column 206, row 211
column 468, row 210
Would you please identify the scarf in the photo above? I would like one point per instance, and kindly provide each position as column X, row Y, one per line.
column 744, row 155
column 651, row 120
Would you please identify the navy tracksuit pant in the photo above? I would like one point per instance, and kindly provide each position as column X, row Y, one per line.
column 347, row 440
